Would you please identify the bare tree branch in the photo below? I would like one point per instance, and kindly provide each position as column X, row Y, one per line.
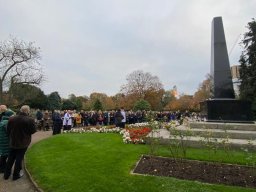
column 19, row 63
column 139, row 83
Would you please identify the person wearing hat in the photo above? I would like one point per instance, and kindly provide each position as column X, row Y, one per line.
column 4, row 140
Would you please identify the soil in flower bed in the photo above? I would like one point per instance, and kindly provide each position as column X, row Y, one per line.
column 208, row 172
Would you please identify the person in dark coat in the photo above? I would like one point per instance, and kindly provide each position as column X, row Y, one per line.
column 57, row 122
column 93, row 118
column 4, row 140
column 39, row 119
column 118, row 118
column 19, row 129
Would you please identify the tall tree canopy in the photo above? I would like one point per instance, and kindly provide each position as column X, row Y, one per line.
column 67, row 104
column 97, row 105
column 248, row 65
column 203, row 92
column 76, row 100
column 143, row 85
column 168, row 96
column 20, row 94
column 142, row 105
column 139, row 83
column 97, row 98
column 19, row 63
column 54, row 101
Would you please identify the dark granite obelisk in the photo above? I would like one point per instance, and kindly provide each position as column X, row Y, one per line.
column 220, row 68
column 223, row 106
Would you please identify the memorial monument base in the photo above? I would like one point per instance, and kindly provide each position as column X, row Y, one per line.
column 227, row 110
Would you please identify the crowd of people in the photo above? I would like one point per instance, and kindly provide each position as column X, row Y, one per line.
column 68, row 119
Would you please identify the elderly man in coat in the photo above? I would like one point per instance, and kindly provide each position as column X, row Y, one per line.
column 19, row 128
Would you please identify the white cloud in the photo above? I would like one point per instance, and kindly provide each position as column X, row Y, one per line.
column 93, row 45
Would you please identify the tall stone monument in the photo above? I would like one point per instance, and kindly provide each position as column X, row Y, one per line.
column 220, row 67
column 223, row 106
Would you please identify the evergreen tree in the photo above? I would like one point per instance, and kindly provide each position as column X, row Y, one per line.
column 38, row 102
column 68, row 105
column 142, row 105
column 97, row 105
column 20, row 94
column 248, row 66
column 76, row 100
column 54, row 101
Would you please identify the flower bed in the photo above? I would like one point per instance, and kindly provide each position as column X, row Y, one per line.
column 202, row 171
column 94, row 130
column 138, row 125
column 135, row 135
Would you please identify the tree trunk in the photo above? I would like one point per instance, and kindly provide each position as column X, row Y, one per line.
column 1, row 92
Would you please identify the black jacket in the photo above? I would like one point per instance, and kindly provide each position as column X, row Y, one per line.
column 118, row 117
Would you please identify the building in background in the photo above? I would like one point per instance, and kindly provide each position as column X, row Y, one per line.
column 174, row 91
column 235, row 73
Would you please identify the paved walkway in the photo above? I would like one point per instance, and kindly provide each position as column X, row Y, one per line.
column 23, row 184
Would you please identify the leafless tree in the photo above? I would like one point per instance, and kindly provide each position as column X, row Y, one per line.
column 139, row 83
column 19, row 63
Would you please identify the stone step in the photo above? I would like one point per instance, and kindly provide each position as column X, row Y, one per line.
column 239, row 144
column 224, row 126
column 197, row 141
column 216, row 133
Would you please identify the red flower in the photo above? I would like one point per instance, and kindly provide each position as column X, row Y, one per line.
column 138, row 134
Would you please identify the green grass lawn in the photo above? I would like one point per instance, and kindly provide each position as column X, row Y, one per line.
column 96, row 162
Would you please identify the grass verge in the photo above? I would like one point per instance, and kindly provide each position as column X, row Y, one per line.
column 101, row 162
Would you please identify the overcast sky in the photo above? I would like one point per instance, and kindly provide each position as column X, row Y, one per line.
column 91, row 46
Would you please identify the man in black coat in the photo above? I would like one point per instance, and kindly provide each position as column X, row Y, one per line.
column 118, row 118
column 57, row 122
column 19, row 129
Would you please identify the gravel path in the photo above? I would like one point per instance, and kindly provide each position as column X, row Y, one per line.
column 23, row 184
